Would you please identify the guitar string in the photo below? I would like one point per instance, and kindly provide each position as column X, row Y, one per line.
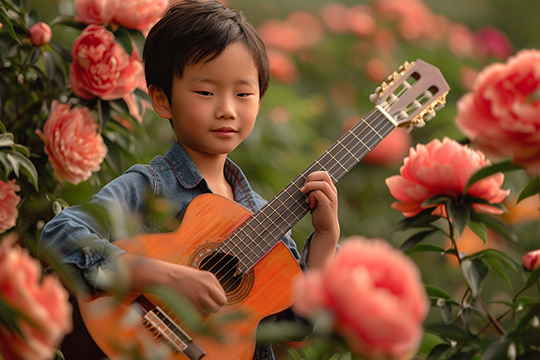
column 257, row 230
column 317, row 162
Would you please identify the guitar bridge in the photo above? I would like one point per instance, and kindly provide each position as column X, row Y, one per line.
column 165, row 328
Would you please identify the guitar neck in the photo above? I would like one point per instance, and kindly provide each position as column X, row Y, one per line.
column 263, row 230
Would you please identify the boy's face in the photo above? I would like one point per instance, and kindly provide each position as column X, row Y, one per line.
column 214, row 105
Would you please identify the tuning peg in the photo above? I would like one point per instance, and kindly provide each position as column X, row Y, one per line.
column 439, row 106
column 429, row 115
column 373, row 98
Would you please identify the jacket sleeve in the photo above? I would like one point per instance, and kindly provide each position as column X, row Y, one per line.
column 78, row 239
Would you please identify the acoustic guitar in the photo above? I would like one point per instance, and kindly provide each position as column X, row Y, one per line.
column 243, row 249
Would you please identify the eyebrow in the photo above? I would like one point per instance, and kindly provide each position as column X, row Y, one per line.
column 212, row 81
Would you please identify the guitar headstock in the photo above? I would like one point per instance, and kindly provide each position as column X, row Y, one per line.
column 413, row 94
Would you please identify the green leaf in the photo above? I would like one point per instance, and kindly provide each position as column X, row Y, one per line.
column 460, row 216
column 496, row 266
column 451, row 332
column 422, row 219
column 495, row 224
column 436, row 199
column 4, row 20
column 425, row 247
column 14, row 163
column 534, row 311
column 463, row 355
column 532, row 188
column 497, row 350
column 416, row 238
column 505, row 166
column 50, row 64
column 479, row 229
column 436, row 292
column 34, row 55
column 138, row 39
column 438, row 351
column 2, row 126
column 531, row 280
column 475, row 272
column 123, row 37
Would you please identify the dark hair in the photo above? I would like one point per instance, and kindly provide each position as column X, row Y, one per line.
column 192, row 31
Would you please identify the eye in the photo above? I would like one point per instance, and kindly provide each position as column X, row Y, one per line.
column 204, row 93
column 243, row 94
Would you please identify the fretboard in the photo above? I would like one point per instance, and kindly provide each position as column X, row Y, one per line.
column 250, row 242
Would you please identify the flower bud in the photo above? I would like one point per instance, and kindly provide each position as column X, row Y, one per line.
column 40, row 34
column 530, row 260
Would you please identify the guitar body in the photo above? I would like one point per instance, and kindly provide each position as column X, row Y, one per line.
column 264, row 290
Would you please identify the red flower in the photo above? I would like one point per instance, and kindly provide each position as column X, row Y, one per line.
column 501, row 116
column 530, row 260
column 375, row 295
column 443, row 168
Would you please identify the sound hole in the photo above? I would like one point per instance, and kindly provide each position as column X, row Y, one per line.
column 224, row 267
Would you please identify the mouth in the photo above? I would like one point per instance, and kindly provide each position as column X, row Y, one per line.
column 225, row 131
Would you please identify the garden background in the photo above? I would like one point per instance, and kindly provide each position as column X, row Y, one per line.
column 323, row 70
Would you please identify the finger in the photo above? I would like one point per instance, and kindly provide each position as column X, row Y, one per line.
column 319, row 176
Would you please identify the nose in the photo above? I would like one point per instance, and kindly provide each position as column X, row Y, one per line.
column 226, row 109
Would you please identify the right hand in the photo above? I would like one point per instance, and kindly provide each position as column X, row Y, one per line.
column 200, row 287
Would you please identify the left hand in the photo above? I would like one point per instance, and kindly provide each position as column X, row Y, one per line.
column 323, row 200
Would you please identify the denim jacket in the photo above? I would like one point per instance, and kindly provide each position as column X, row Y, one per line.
column 174, row 177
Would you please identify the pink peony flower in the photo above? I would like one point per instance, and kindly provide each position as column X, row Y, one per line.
column 40, row 34
column 530, row 260
column 501, row 116
column 360, row 21
column 99, row 12
column 42, row 302
column 8, row 204
column 140, row 14
column 375, row 295
column 443, row 168
column 333, row 17
column 74, row 147
column 282, row 67
column 101, row 67
column 490, row 41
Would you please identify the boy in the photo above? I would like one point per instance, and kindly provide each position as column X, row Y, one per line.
column 206, row 70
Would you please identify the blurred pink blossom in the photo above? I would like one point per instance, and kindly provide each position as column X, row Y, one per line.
column 415, row 21
column 391, row 150
column 40, row 34
column 443, row 168
column 101, row 67
column 140, row 14
column 530, row 260
column 281, row 35
column 461, row 40
column 490, row 41
column 309, row 26
column 360, row 21
column 134, row 14
column 282, row 67
column 41, row 300
column 385, row 41
column 375, row 295
column 8, row 204
column 72, row 142
column 377, row 69
column 333, row 16
column 99, row 12
column 501, row 116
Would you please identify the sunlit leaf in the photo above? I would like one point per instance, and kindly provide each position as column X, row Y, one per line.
column 436, row 292
column 504, row 167
column 6, row 139
column 475, row 271
column 27, row 166
column 532, row 188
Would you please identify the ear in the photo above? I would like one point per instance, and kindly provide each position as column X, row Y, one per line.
column 160, row 103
